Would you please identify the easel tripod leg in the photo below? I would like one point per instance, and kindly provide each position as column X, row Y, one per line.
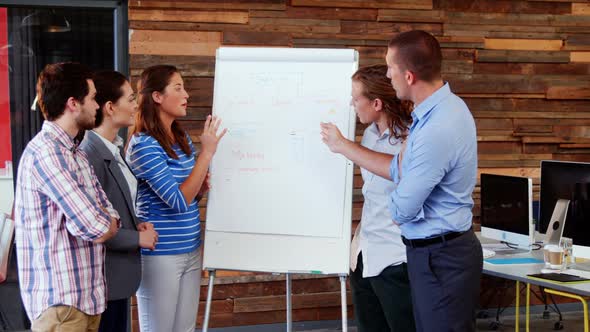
column 288, row 297
column 208, row 303
column 344, row 303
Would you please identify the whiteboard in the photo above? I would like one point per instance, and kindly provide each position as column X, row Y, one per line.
column 280, row 201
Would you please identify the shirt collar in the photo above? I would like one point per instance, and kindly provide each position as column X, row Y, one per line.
column 375, row 131
column 112, row 146
column 60, row 135
column 427, row 104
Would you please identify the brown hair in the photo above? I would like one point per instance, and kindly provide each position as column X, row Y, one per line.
column 57, row 83
column 376, row 85
column 419, row 52
column 109, row 87
column 156, row 78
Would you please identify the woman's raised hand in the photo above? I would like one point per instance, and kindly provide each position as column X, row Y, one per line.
column 209, row 137
column 332, row 137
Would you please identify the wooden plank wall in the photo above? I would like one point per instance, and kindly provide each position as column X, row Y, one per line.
column 523, row 67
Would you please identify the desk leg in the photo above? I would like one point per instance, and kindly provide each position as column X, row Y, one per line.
column 528, row 303
column 517, row 307
column 577, row 297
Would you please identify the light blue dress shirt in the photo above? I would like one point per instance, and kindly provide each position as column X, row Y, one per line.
column 439, row 169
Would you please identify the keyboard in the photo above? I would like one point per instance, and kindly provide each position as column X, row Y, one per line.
column 487, row 253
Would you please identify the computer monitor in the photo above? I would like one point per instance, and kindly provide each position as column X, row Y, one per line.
column 567, row 180
column 507, row 209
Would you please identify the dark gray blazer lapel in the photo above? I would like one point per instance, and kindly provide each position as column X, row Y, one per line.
column 113, row 167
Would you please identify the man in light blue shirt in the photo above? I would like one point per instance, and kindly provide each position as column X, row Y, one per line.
column 439, row 168
column 435, row 177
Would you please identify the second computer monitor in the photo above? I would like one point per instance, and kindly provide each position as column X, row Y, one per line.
column 506, row 209
column 570, row 181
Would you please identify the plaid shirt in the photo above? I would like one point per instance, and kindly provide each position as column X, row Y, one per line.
column 60, row 209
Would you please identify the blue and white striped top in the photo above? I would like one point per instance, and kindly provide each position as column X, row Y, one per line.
column 159, row 199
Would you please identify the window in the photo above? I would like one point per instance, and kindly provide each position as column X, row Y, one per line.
column 35, row 33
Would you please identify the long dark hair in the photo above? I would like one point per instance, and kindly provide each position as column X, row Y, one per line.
column 156, row 78
column 376, row 85
column 109, row 87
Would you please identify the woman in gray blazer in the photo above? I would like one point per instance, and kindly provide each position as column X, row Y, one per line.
column 104, row 148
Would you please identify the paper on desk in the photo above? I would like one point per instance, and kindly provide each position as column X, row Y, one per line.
column 513, row 260
column 502, row 249
column 579, row 273
column 494, row 246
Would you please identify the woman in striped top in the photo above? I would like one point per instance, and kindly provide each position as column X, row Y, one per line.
column 170, row 176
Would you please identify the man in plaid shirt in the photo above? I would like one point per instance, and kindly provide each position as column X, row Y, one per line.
column 62, row 214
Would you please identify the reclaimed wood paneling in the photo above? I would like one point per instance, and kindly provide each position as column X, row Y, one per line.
column 256, row 38
column 338, row 40
column 178, row 43
column 184, row 26
column 580, row 56
column 299, row 301
column 210, row 4
column 522, row 67
column 531, row 68
column 577, row 42
column 353, row 14
column 429, row 16
column 190, row 66
column 189, row 16
column 565, row 92
column 358, row 27
column 401, row 4
column 503, row 31
column 519, row 18
column 580, row 9
column 461, row 42
column 511, row 56
column 523, row 44
column 495, row 84
column 503, row 6
column 296, row 25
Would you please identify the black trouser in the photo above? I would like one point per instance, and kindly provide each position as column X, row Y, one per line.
column 12, row 312
column 115, row 317
column 382, row 303
column 445, row 283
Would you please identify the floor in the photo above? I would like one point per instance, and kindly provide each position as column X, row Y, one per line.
column 573, row 321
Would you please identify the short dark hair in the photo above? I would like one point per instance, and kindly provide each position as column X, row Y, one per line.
column 419, row 52
column 109, row 87
column 57, row 83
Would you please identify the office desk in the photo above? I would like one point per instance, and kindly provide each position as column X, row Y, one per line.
column 519, row 272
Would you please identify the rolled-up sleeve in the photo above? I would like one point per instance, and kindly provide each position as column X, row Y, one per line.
column 424, row 168
column 394, row 169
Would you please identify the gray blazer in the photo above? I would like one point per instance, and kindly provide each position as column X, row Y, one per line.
column 123, row 260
